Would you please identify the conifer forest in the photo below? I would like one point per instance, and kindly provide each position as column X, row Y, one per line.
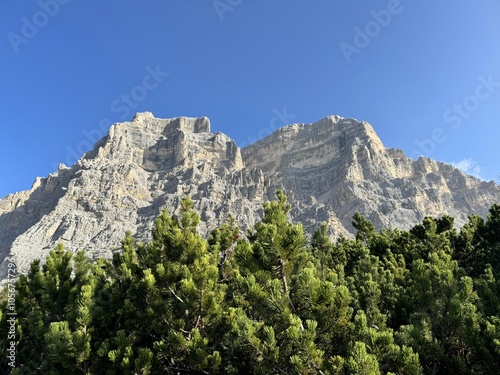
column 271, row 300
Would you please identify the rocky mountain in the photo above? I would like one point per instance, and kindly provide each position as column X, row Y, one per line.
column 329, row 169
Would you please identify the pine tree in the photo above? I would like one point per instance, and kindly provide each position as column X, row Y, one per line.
column 171, row 307
column 424, row 301
column 270, row 335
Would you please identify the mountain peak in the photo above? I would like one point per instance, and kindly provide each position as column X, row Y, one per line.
column 142, row 116
column 165, row 126
column 302, row 146
column 330, row 169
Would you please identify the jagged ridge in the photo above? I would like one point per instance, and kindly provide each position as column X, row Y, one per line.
column 330, row 170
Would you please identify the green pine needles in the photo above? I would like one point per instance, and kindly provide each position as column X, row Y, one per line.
column 424, row 301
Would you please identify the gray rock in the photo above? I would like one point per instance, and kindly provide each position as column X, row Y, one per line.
column 329, row 169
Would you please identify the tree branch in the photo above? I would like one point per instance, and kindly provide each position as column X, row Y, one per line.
column 175, row 295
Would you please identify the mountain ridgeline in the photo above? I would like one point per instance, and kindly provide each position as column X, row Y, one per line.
column 330, row 170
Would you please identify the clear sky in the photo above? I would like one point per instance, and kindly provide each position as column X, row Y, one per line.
column 425, row 74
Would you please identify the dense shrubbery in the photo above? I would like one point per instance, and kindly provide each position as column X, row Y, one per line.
column 424, row 301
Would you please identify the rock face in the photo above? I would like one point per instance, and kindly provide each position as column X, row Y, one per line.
column 329, row 169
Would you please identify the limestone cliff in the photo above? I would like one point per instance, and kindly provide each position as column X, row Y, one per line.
column 343, row 164
column 330, row 170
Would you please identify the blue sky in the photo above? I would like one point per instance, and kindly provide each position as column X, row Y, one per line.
column 425, row 74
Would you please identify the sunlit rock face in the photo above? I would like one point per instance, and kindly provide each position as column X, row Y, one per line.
column 330, row 169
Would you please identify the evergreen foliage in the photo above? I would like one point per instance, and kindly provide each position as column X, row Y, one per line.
column 423, row 301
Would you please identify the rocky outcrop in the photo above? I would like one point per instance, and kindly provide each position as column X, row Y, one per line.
column 343, row 164
column 330, row 170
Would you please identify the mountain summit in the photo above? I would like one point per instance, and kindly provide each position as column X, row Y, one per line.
column 330, row 169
